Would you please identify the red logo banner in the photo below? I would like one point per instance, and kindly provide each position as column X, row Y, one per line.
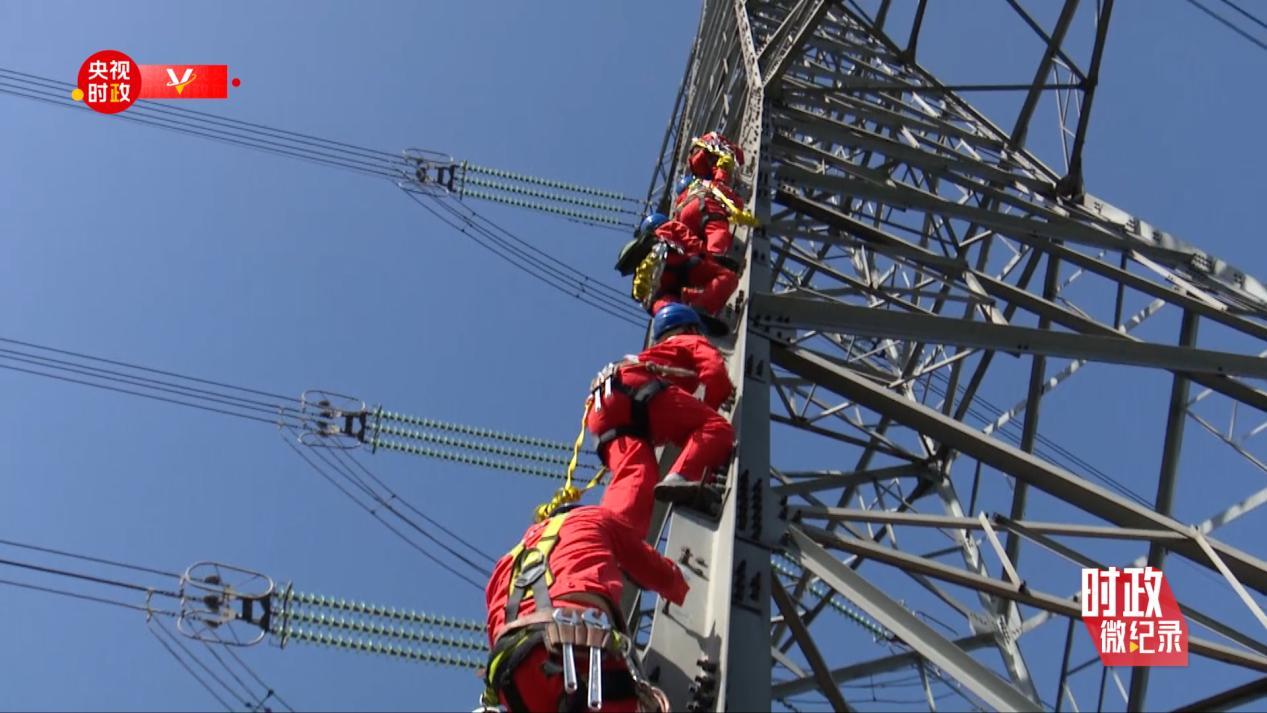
column 184, row 81
column 1133, row 617
column 110, row 81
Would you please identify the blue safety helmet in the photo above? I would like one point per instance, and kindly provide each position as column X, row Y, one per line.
column 651, row 222
column 683, row 183
column 673, row 316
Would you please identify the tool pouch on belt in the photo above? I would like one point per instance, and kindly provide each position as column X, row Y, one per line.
column 579, row 635
column 646, row 282
column 540, row 628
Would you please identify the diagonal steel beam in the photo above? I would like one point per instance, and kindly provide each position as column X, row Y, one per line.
column 1020, row 130
column 803, row 639
column 1040, row 474
column 1042, row 600
column 1072, row 183
column 1232, row 698
column 971, row 523
column 875, row 666
column 789, row 40
column 784, row 311
column 1171, row 448
column 1038, row 30
column 940, row 651
column 1033, row 401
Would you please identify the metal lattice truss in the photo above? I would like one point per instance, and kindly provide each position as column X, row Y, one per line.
column 920, row 288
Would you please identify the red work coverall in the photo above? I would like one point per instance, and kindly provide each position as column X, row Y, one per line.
column 707, row 217
column 673, row 416
column 691, row 276
column 703, row 163
column 593, row 550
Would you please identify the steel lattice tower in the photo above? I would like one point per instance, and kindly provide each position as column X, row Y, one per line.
column 914, row 257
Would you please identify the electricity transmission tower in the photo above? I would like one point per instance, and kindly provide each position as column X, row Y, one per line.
column 921, row 288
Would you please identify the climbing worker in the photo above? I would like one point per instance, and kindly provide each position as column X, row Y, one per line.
column 670, row 264
column 554, row 599
column 683, row 183
column 690, row 275
column 708, row 208
column 713, row 157
column 650, row 399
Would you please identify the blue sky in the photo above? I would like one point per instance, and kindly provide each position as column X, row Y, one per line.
column 288, row 276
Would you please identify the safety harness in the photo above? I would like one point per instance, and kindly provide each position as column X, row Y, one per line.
column 639, row 425
column 701, row 190
column 719, row 146
column 530, row 576
column 648, row 283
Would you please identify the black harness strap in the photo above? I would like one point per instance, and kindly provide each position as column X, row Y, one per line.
column 515, row 648
column 534, row 575
column 639, row 425
column 618, row 685
column 681, row 272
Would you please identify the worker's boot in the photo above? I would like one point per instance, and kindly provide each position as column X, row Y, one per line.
column 713, row 326
column 696, row 495
column 728, row 262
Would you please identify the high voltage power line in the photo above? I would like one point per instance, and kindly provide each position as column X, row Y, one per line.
column 356, row 482
column 346, row 473
column 1231, row 25
column 290, row 616
column 286, row 411
column 407, row 174
column 187, row 659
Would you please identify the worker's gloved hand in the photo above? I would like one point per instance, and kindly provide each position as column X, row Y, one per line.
column 726, row 162
column 603, row 375
column 681, row 585
column 745, row 217
column 729, row 403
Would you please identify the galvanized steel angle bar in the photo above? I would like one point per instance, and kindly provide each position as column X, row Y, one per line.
column 798, row 26
column 894, row 247
column 1056, row 226
column 800, row 632
column 789, row 311
column 942, row 652
column 1203, row 307
column 912, row 119
column 1029, row 596
column 1016, row 296
column 1009, row 460
column 931, row 157
column 879, row 294
column 864, row 669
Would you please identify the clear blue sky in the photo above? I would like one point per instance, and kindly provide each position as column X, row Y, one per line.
column 250, row 285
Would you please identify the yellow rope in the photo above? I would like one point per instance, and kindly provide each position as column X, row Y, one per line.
column 701, row 187
column 742, row 217
column 569, row 493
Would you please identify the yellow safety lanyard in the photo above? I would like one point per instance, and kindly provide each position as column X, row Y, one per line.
column 569, row 493
column 545, row 544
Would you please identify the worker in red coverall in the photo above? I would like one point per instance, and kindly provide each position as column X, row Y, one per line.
column 669, row 393
column 712, row 162
column 576, row 560
column 707, row 208
column 691, row 276
column 713, row 157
